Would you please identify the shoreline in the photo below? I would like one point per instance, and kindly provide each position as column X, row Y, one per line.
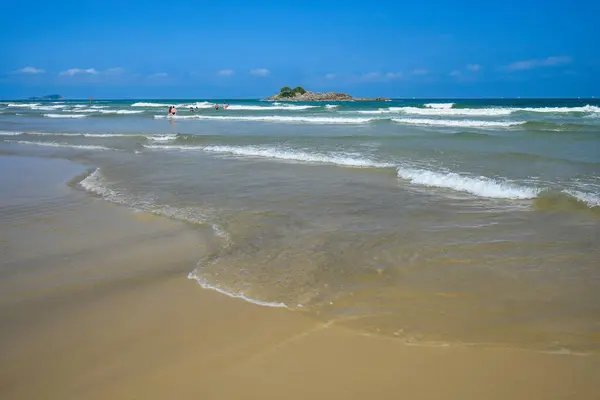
column 122, row 319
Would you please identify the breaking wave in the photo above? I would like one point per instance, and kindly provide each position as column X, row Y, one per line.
column 458, row 123
column 65, row 115
column 64, row 145
column 281, row 154
column 162, row 138
column 142, row 104
column 273, row 118
column 443, row 106
column 22, row 104
column 268, row 108
column 451, row 111
column 479, row 186
column 120, row 112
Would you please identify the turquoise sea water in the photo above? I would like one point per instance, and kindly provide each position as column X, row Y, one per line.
column 454, row 221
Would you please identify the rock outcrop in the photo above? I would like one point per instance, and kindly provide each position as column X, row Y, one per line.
column 313, row 96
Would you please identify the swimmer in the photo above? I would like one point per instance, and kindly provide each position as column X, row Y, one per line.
column 216, row 106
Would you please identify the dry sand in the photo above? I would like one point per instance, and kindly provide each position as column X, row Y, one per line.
column 115, row 317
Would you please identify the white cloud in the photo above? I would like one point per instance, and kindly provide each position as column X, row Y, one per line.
column 420, row 72
column 531, row 64
column 393, row 75
column 371, row 76
column 455, row 73
column 474, row 67
column 77, row 71
column 225, row 72
column 381, row 77
column 30, row 70
column 260, row 72
column 330, row 76
column 159, row 75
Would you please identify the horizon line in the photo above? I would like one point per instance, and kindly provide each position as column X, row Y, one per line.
column 333, row 101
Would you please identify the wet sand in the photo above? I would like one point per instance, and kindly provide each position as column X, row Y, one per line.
column 95, row 304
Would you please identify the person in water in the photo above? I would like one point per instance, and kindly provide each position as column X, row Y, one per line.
column 191, row 109
column 216, row 106
column 172, row 111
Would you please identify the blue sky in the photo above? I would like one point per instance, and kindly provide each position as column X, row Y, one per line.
column 245, row 49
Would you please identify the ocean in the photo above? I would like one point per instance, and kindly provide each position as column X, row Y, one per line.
column 435, row 222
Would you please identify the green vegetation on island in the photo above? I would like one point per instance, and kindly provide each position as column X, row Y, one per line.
column 300, row 94
column 288, row 92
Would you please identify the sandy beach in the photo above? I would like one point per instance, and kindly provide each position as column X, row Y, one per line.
column 105, row 310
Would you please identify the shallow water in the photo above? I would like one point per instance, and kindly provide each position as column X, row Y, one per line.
column 474, row 222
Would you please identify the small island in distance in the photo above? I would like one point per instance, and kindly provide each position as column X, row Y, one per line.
column 50, row 97
column 300, row 94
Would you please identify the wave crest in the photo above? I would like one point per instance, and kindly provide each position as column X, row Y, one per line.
column 63, row 145
column 458, row 123
column 65, row 115
column 439, row 106
column 479, row 186
column 273, row 118
column 281, row 154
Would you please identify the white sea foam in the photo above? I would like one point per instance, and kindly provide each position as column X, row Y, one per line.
column 241, row 107
column 443, row 106
column 65, row 145
column 458, row 123
column 91, row 135
column 158, row 138
column 295, row 155
column 94, row 183
column 97, row 184
column 198, row 104
column 65, row 115
column 445, row 109
column 369, row 112
column 173, row 147
column 331, row 106
column 84, row 110
column 142, row 104
column 9, row 133
column 281, row 154
column 297, row 107
column 47, row 108
column 479, row 186
column 273, row 118
column 27, row 105
column 452, row 111
column 592, row 200
column 162, row 138
column 120, row 111
column 584, row 109
column 206, row 285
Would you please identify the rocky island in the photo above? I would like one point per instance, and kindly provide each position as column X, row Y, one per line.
column 300, row 94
